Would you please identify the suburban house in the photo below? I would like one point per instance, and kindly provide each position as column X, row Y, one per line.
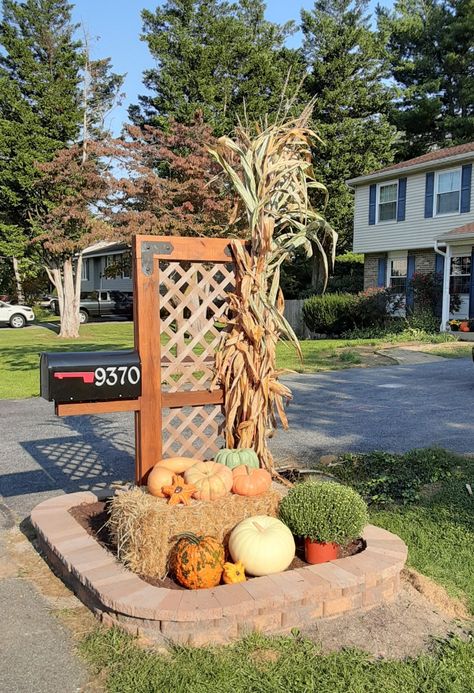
column 107, row 267
column 418, row 216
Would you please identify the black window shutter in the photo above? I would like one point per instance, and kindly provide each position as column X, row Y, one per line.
column 372, row 200
column 402, row 198
column 429, row 195
column 466, row 177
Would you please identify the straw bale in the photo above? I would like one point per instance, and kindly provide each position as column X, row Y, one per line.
column 145, row 527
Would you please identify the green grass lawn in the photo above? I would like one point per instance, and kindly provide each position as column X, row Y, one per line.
column 20, row 351
column 439, row 531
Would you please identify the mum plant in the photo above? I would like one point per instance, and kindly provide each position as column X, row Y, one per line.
column 324, row 512
column 271, row 172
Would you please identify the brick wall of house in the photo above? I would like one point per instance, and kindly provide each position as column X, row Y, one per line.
column 371, row 270
column 424, row 261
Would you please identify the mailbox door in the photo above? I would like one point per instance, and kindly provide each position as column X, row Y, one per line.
column 90, row 376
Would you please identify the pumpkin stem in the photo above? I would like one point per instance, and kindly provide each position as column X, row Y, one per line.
column 259, row 527
column 190, row 536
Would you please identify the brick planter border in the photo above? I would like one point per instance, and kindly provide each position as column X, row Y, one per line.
column 271, row 604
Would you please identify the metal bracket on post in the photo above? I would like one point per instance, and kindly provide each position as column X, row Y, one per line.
column 151, row 248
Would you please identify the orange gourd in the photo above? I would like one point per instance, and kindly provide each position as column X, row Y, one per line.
column 178, row 491
column 464, row 326
column 177, row 465
column 198, row 561
column 157, row 478
column 250, row 482
column 211, row 479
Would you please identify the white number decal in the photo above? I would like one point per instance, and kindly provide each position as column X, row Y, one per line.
column 113, row 374
column 113, row 378
column 133, row 375
column 100, row 376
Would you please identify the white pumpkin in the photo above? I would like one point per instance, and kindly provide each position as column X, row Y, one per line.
column 263, row 544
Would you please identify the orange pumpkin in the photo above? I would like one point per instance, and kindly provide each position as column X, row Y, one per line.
column 211, row 479
column 157, row 478
column 198, row 561
column 250, row 482
column 464, row 326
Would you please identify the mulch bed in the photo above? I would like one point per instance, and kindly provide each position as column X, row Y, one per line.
column 93, row 518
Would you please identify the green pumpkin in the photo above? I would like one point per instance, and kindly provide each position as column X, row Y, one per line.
column 234, row 458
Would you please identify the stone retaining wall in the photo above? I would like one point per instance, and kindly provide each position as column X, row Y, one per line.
column 271, row 604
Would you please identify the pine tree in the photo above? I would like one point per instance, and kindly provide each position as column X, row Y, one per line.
column 432, row 63
column 223, row 60
column 39, row 107
column 345, row 57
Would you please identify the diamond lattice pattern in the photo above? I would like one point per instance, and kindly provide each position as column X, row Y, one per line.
column 192, row 431
column 194, row 297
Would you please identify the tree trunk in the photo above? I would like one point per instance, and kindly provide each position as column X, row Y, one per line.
column 68, row 288
column 19, row 285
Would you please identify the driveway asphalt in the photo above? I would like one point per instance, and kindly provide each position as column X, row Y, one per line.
column 392, row 408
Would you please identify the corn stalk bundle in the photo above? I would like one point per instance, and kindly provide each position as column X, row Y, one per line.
column 272, row 174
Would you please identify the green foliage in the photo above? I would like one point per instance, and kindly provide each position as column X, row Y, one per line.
column 347, row 275
column 224, row 60
column 344, row 313
column 350, row 357
column 295, row 663
column 384, row 478
column 329, row 313
column 345, row 57
column 422, row 319
column 429, row 47
column 326, row 512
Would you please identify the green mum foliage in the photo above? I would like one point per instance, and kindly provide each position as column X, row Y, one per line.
column 326, row 512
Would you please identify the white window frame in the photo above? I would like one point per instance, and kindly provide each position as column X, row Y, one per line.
column 435, row 196
column 377, row 202
column 124, row 259
column 455, row 256
column 390, row 258
column 85, row 270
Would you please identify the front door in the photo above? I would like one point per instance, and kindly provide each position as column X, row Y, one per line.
column 459, row 285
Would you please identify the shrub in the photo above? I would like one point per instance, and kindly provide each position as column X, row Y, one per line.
column 375, row 307
column 330, row 313
column 423, row 319
column 326, row 512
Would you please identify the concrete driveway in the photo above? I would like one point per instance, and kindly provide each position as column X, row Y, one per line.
column 393, row 408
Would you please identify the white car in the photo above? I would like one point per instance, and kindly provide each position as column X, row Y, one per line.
column 15, row 316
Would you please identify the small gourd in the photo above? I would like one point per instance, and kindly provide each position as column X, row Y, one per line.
column 234, row 458
column 198, row 561
column 179, row 491
column 233, row 572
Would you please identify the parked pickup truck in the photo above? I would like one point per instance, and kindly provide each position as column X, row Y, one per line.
column 102, row 304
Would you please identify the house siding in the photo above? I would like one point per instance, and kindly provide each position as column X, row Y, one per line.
column 415, row 231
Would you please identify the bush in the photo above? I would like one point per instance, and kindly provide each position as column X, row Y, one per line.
column 330, row 313
column 423, row 319
column 326, row 512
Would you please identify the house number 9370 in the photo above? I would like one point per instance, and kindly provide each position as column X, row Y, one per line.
column 116, row 375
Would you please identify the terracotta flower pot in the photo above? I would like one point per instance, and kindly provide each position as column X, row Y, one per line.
column 320, row 551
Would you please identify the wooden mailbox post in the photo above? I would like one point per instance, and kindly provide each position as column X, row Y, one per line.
column 180, row 287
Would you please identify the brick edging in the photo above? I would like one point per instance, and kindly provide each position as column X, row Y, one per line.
column 273, row 603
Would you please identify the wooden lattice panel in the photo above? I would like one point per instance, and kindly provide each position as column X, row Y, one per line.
column 192, row 431
column 193, row 296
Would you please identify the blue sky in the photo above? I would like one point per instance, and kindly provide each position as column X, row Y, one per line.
column 117, row 25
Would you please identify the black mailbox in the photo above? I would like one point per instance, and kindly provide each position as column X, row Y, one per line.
column 90, row 376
